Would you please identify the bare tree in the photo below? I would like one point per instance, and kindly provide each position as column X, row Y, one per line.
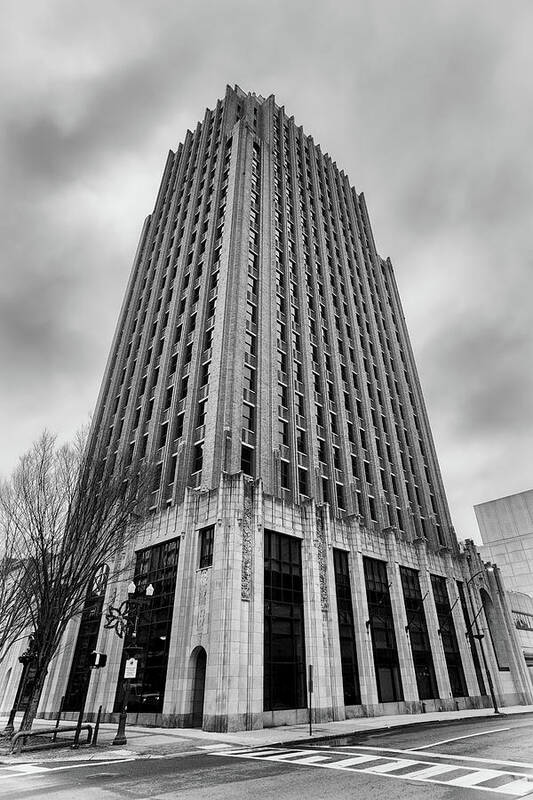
column 69, row 512
column 14, row 616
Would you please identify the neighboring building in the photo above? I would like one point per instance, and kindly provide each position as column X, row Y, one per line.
column 506, row 527
column 298, row 518
column 522, row 613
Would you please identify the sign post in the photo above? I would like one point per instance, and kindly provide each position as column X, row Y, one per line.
column 310, row 704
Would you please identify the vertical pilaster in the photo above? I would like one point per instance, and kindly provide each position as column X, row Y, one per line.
column 363, row 639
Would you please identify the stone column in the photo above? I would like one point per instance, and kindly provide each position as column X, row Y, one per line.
column 363, row 639
column 317, row 613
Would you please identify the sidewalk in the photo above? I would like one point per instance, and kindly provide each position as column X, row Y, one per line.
column 159, row 742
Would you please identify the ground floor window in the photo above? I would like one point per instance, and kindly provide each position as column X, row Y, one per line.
column 418, row 635
column 157, row 566
column 472, row 640
column 284, row 650
column 448, row 636
column 91, row 616
column 381, row 625
column 350, row 670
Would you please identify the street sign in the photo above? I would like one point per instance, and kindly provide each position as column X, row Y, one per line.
column 130, row 668
column 97, row 660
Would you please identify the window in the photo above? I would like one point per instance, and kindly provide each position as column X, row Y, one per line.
column 158, row 566
column 350, row 671
column 78, row 681
column 247, row 460
column 249, row 378
column 285, row 475
column 303, row 484
column 198, row 457
column 284, row 647
column 207, row 536
column 448, row 636
column 381, row 624
column 418, row 634
column 472, row 640
column 248, row 417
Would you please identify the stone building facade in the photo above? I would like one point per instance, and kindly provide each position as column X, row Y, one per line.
column 506, row 527
column 298, row 517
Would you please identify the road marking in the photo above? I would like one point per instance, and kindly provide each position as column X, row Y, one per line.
column 348, row 762
column 458, row 738
column 312, row 759
column 524, row 764
column 26, row 769
column 391, row 766
column 430, row 772
column 517, row 788
column 286, row 756
column 21, row 770
column 509, row 783
column 475, row 777
column 214, row 746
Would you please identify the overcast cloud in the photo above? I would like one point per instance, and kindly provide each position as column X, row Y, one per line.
column 426, row 105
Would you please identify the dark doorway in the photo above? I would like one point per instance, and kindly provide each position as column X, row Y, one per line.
column 198, row 689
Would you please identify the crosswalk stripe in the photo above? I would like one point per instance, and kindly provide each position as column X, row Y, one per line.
column 291, row 754
column 393, row 765
column 430, row 772
column 313, row 759
column 479, row 776
column 517, row 788
column 348, row 762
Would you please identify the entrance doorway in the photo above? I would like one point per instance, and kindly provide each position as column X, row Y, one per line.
column 200, row 657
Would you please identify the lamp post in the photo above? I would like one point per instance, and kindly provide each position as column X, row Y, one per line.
column 124, row 620
column 480, row 636
column 26, row 658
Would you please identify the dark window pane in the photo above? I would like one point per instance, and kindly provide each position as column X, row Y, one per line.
column 157, row 566
column 284, row 659
column 381, row 625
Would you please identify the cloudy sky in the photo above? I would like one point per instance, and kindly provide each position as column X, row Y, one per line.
column 426, row 104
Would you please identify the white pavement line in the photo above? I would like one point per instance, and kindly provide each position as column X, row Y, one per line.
column 524, row 764
column 348, row 762
column 479, row 776
column 313, row 759
column 285, row 756
column 430, row 772
column 246, row 751
column 458, row 738
column 27, row 769
column 214, row 746
column 391, row 766
column 516, row 788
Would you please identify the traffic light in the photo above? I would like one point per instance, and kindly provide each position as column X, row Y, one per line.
column 97, row 660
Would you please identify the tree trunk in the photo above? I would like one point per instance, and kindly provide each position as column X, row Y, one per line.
column 34, row 698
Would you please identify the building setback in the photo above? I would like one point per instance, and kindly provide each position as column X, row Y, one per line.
column 298, row 516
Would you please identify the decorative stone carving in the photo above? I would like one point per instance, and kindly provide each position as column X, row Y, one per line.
column 322, row 557
column 247, row 543
column 203, row 577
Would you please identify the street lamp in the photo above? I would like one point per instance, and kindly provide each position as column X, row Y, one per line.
column 124, row 620
column 480, row 636
column 26, row 659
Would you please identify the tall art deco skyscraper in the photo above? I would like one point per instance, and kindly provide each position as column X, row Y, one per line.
column 298, row 516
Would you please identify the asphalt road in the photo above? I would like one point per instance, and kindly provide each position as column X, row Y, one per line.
column 482, row 758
